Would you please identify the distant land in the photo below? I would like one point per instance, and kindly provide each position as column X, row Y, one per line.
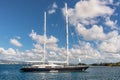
column 106, row 64
column 10, row 62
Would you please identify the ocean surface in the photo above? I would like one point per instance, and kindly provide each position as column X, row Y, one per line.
column 12, row 72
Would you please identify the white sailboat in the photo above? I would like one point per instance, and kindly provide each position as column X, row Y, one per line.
column 55, row 67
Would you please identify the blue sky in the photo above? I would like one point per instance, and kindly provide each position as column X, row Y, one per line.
column 18, row 18
column 94, row 30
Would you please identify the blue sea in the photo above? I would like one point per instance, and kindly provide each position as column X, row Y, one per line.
column 12, row 72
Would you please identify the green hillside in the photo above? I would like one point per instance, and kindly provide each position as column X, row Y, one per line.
column 106, row 64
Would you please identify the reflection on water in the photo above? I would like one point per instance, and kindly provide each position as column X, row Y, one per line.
column 12, row 72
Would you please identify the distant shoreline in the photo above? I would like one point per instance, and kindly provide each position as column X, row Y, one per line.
column 106, row 64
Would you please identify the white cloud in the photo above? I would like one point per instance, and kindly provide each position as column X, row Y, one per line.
column 110, row 42
column 111, row 45
column 7, row 54
column 111, row 23
column 15, row 42
column 51, row 40
column 94, row 33
column 85, row 53
column 51, row 44
column 11, row 51
column 53, row 9
column 54, row 5
column 110, row 57
column 85, row 11
column 40, row 38
column 16, row 55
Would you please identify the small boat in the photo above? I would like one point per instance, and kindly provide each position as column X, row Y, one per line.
column 55, row 67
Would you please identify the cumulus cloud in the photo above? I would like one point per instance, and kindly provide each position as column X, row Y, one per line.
column 53, row 9
column 111, row 23
column 85, row 52
column 15, row 42
column 86, row 11
column 94, row 33
column 110, row 42
column 16, row 55
column 40, row 38
column 37, row 38
column 8, row 54
column 110, row 57
column 51, row 45
column 111, row 45
column 10, row 51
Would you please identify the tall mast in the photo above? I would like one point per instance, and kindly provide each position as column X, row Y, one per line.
column 44, row 37
column 67, row 42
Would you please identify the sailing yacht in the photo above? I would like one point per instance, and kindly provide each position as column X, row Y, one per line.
column 55, row 67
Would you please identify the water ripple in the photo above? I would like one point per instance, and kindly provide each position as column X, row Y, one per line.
column 11, row 72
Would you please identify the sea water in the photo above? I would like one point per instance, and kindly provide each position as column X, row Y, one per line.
column 12, row 72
